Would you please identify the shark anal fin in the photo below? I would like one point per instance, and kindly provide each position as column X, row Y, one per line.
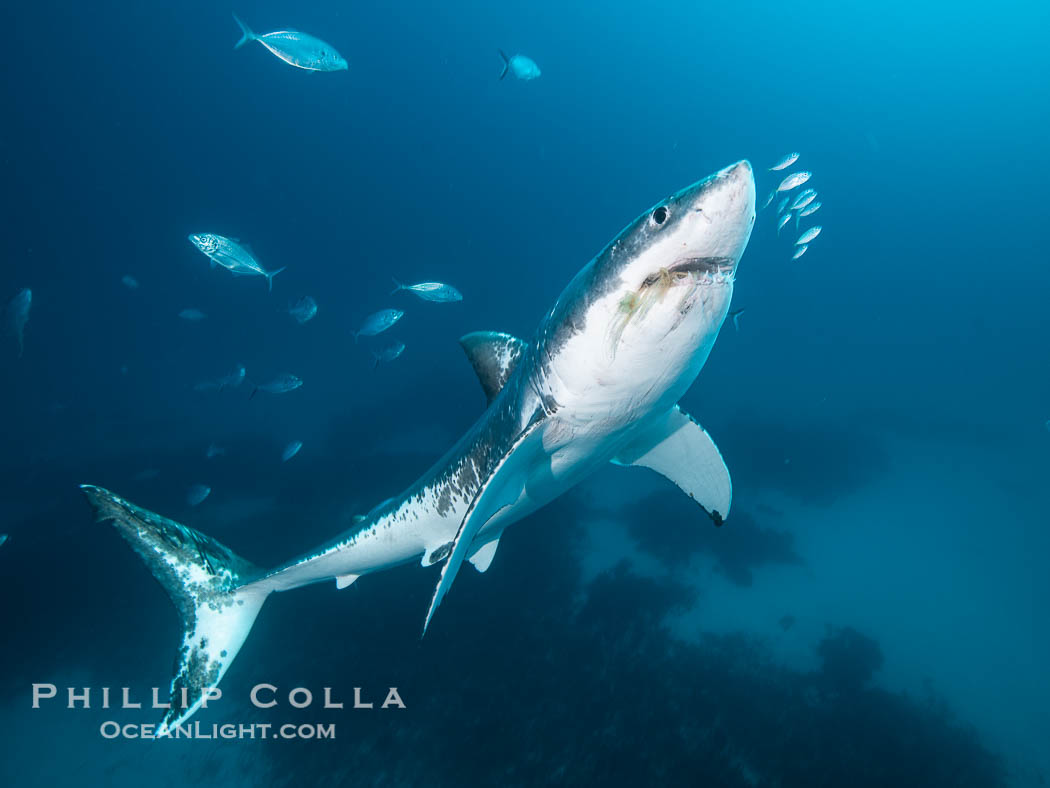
column 501, row 488
column 681, row 450
column 482, row 558
column 342, row 581
column 494, row 357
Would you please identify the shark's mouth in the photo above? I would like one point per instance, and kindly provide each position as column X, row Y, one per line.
column 704, row 265
column 695, row 271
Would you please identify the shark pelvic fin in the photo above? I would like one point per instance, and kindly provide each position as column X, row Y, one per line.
column 436, row 553
column 342, row 581
column 681, row 450
column 205, row 581
column 482, row 558
column 502, row 488
column 494, row 356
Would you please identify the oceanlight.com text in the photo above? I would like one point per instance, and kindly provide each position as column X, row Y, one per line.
column 196, row 730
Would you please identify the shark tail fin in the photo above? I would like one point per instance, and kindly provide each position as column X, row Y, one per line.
column 246, row 34
column 271, row 274
column 397, row 285
column 209, row 586
column 506, row 63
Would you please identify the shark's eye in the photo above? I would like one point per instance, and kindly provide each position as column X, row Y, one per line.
column 660, row 215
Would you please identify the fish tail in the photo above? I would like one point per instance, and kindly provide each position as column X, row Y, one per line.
column 254, row 389
column 217, row 612
column 506, row 63
column 271, row 274
column 397, row 285
column 375, row 360
column 246, row 34
column 355, row 336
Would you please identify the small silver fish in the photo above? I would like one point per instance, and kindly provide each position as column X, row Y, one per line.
column 214, row 451
column 291, row 450
column 378, row 322
column 388, row 353
column 793, row 181
column 130, row 282
column 783, row 220
column 801, row 250
column 785, row 162
column 736, row 318
column 231, row 381
column 232, row 255
column 523, row 68
column 808, row 236
column 192, row 314
column 196, row 494
column 234, row 379
column 296, row 49
column 810, row 209
column 804, row 199
column 769, row 199
column 18, row 316
column 782, row 205
column 279, row 385
column 303, row 310
column 430, row 291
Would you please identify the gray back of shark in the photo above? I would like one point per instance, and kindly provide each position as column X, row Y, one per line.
column 597, row 385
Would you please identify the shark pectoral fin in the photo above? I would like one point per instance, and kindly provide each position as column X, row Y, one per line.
column 501, row 489
column 494, row 357
column 681, row 450
column 342, row 581
column 482, row 558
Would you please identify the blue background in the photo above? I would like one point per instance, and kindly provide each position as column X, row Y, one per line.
column 881, row 409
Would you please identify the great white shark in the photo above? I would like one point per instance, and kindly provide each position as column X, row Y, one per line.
column 599, row 383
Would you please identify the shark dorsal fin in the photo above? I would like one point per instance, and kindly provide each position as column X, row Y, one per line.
column 494, row 356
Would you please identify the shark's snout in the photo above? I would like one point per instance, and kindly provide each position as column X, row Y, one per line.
column 740, row 171
column 720, row 209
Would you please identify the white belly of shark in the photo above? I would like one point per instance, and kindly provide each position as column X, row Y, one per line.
column 598, row 384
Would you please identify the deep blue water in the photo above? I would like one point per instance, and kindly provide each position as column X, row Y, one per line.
column 872, row 613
